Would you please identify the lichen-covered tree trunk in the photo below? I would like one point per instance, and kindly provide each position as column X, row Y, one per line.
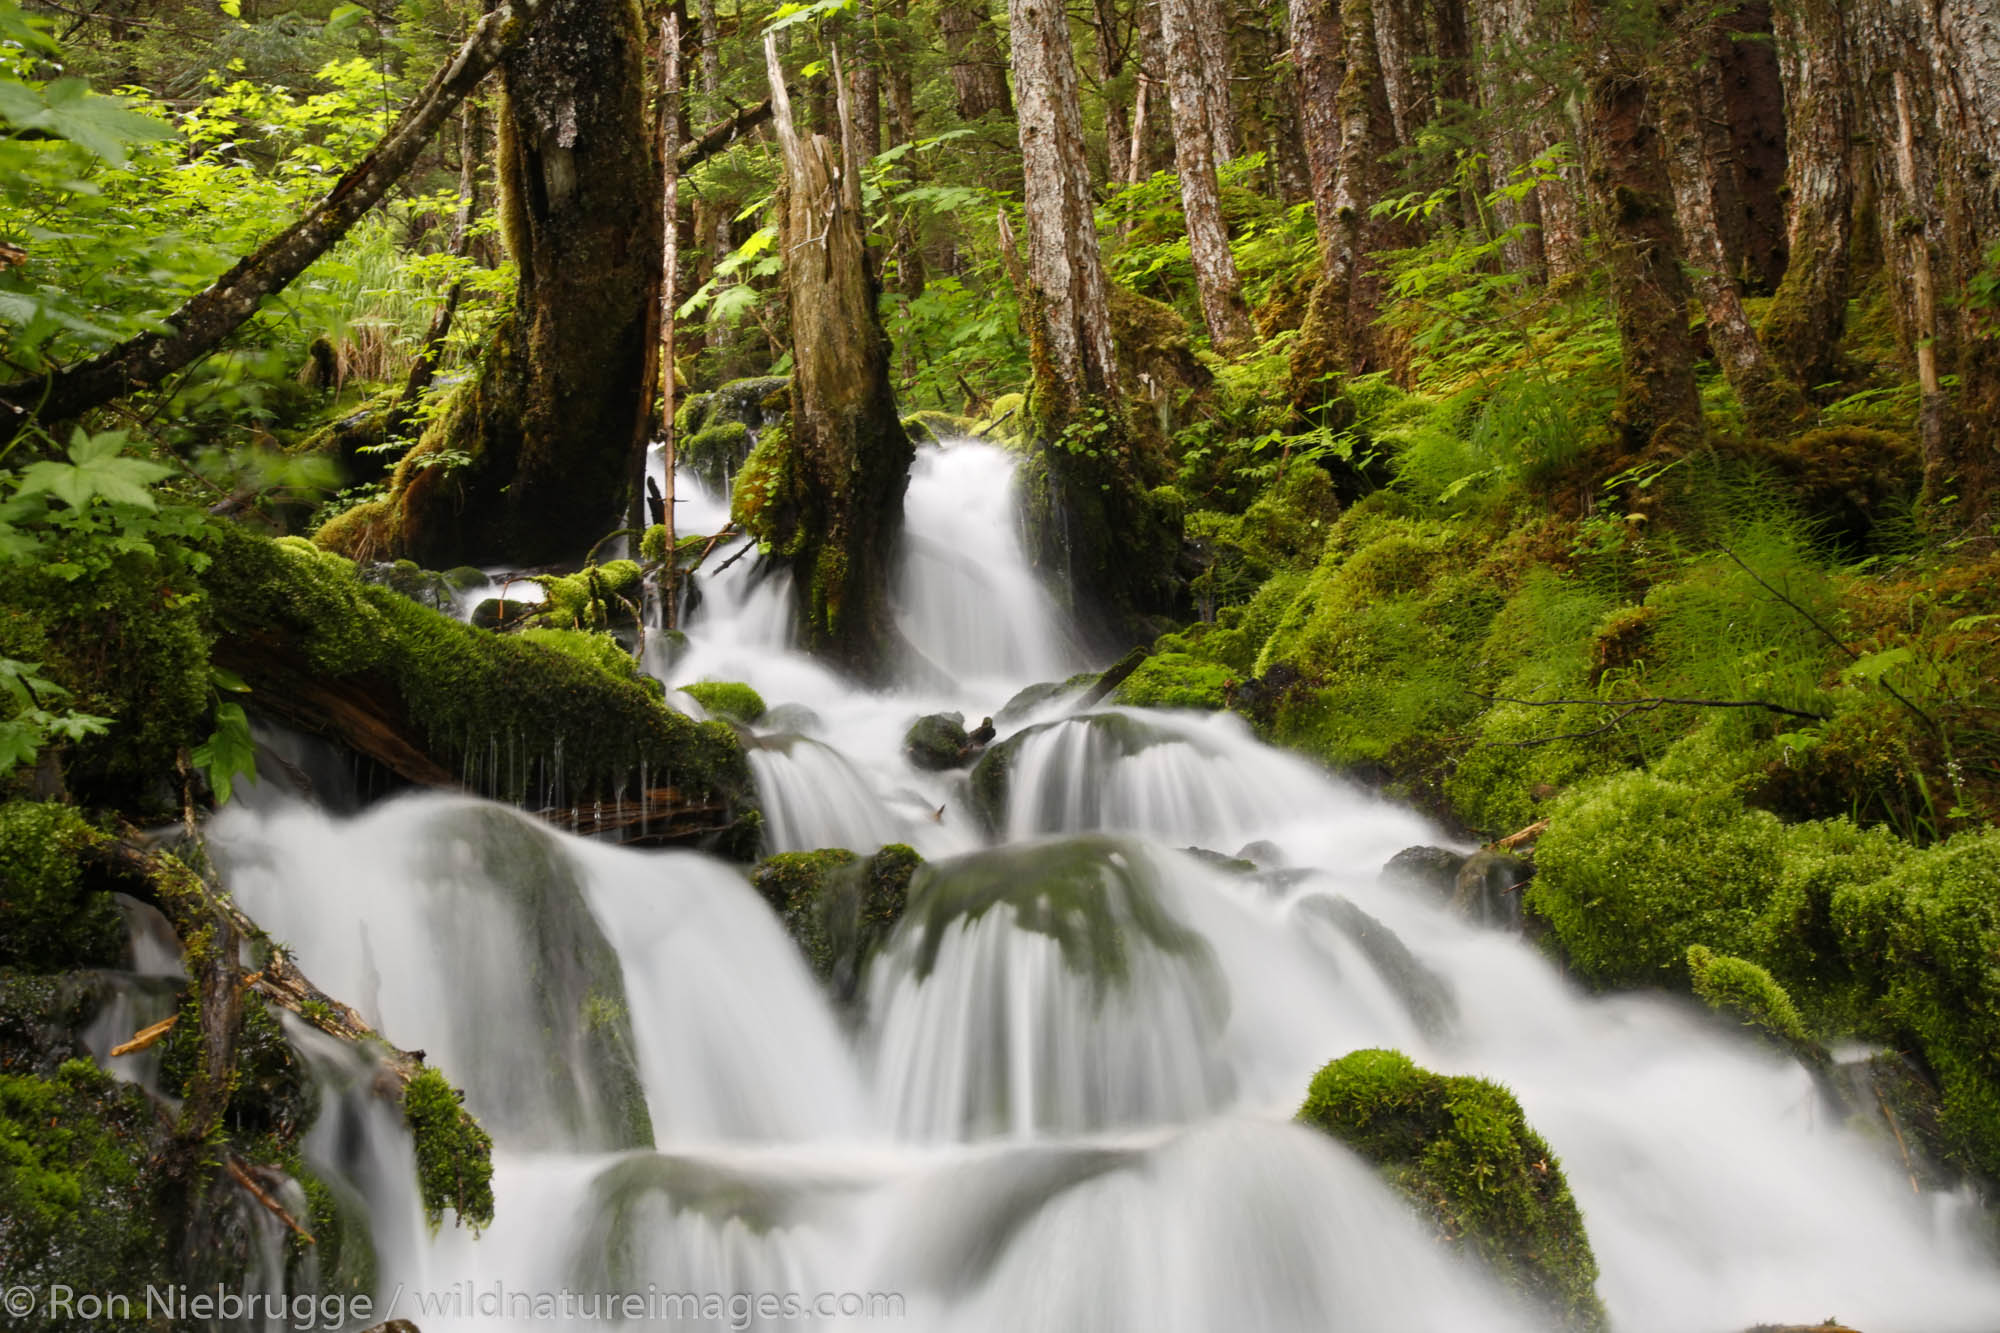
column 1770, row 401
column 1803, row 325
column 1217, row 62
column 1215, row 276
column 847, row 461
column 1339, row 337
column 533, row 460
column 978, row 71
column 1090, row 516
column 1658, row 403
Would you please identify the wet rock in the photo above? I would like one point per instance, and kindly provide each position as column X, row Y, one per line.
column 1236, row 865
column 837, row 906
column 1830, row 1326
column 1264, row 855
column 1430, row 868
column 503, row 613
column 1487, row 890
column 1888, row 1098
column 1426, row 996
column 791, row 719
column 938, row 742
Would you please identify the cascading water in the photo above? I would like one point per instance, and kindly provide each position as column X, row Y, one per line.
column 1062, row 1101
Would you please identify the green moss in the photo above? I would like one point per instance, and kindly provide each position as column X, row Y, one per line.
column 937, row 742
column 756, row 501
column 454, row 1155
column 1746, row 992
column 591, row 598
column 715, row 452
column 1926, row 937
column 727, row 698
column 1461, row 1150
column 48, row 921
column 838, row 906
column 600, row 650
column 1178, row 680
column 929, row 427
column 80, row 1193
column 1634, row 869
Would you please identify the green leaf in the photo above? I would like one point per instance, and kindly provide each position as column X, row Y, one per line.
column 1874, row 666
column 97, row 469
column 344, row 17
column 69, row 110
column 228, row 753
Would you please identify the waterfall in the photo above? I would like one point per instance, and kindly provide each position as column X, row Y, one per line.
column 1063, row 1098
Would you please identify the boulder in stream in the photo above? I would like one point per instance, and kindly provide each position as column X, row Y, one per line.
column 938, row 741
column 1433, row 869
column 838, row 906
column 1487, row 889
column 1462, row 1151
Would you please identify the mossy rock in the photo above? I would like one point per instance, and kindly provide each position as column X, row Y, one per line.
column 1925, row 937
column 1178, row 680
column 932, row 427
column 727, row 698
column 715, row 453
column 49, row 920
column 839, row 907
column 754, row 402
column 1031, row 697
column 594, row 597
column 1746, row 992
column 83, row 1201
column 1462, row 1151
column 600, row 650
column 938, row 742
column 989, row 786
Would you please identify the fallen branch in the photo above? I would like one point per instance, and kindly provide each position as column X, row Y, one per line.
column 145, row 1037
column 721, row 136
column 1647, row 703
column 250, row 1187
column 215, row 312
column 1528, row 834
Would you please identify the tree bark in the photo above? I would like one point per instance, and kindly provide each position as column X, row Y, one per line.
column 865, row 83
column 1090, row 516
column 1318, row 55
column 1803, row 325
column 1215, row 274
column 1746, row 124
column 848, row 460
column 978, row 72
column 1771, row 403
column 1658, row 405
column 205, row 319
column 1217, row 64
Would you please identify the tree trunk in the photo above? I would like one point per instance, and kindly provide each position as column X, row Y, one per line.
column 1089, row 514
column 1110, row 52
column 839, row 505
column 1338, row 337
column 205, row 319
column 548, row 432
column 1658, row 403
column 1771, row 403
column 1317, row 53
column 1803, row 326
column 1746, row 122
column 1505, row 92
column 978, row 72
column 1214, row 269
column 866, row 83
column 1218, row 63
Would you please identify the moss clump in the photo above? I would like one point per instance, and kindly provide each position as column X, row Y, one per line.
column 1460, row 1148
column 1178, row 680
column 48, row 921
column 454, row 1155
column 1926, row 937
column 1746, row 992
column 600, row 650
column 715, row 452
column 756, row 501
column 592, row 598
column 931, row 427
column 727, row 698
column 80, row 1191
column 1634, row 869
column 838, row 906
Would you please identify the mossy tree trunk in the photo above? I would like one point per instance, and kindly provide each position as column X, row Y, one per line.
column 1215, row 274
column 847, row 458
column 1339, row 337
column 1089, row 512
column 1683, row 85
column 534, row 460
column 1802, row 327
column 1658, row 403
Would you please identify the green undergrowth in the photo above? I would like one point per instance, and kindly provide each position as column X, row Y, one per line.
column 1460, row 1149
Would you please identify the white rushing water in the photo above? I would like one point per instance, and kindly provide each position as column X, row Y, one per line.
column 1063, row 1100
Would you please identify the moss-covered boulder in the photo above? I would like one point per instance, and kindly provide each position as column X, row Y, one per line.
column 1462, row 1151
column 938, row 742
column 1926, row 938
column 727, row 698
column 83, row 1201
column 1746, row 992
column 932, row 427
column 49, row 920
column 592, row 598
column 715, row 453
column 838, row 906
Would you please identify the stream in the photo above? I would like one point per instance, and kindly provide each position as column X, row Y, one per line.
column 1063, row 1099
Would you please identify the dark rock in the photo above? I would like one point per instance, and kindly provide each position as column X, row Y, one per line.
column 1431, row 868
column 1234, row 864
column 1887, row 1097
column 983, row 733
column 938, row 742
column 1487, row 891
column 838, row 906
column 1425, row 995
column 1264, row 855
column 499, row 613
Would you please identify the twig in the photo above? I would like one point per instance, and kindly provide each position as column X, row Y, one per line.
column 1000, row 420
column 747, row 549
column 242, row 1177
column 1513, row 840
column 146, row 1036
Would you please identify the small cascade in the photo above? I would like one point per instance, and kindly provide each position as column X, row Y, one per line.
column 814, row 797
column 967, row 601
